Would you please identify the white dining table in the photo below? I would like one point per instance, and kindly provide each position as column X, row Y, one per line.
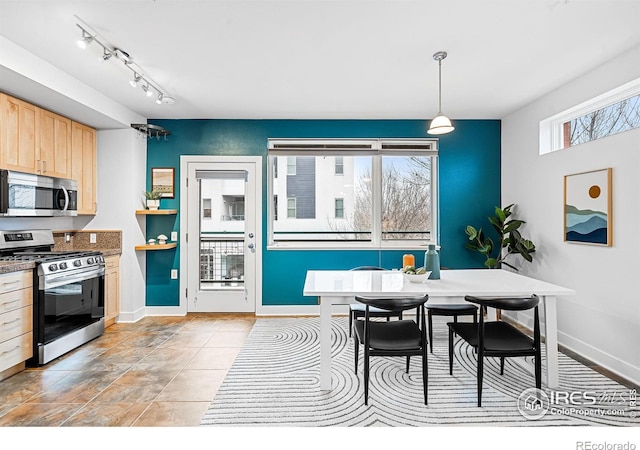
column 339, row 287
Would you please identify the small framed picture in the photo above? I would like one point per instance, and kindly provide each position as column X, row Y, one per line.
column 587, row 208
column 162, row 180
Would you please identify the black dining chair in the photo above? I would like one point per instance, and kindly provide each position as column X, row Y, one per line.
column 449, row 310
column 356, row 310
column 392, row 338
column 499, row 338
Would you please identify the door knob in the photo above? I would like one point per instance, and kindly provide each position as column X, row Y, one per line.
column 251, row 246
column 251, row 235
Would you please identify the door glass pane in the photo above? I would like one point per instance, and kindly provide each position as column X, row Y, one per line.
column 222, row 231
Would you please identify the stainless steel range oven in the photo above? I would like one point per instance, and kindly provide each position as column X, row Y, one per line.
column 68, row 308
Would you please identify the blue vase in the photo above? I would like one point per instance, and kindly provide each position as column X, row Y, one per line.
column 432, row 262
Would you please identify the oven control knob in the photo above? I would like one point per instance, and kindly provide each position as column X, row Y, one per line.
column 90, row 261
column 99, row 259
column 53, row 267
column 63, row 265
column 77, row 263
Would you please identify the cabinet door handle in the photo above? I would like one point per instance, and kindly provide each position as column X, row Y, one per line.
column 17, row 319
column 17, row 347
column 11, row 302
column 44, row 166
column 10, row 284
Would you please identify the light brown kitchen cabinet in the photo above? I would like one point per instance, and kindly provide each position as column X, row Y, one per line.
column 111, row 289
column 54, row 158
column 83, row 166
column 19, row 134
column 16, row 321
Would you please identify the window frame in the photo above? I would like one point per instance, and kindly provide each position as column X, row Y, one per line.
column 552, row 129
column 336, row 209
column 376, row 147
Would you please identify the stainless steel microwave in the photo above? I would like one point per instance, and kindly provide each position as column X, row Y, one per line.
column 30, row 195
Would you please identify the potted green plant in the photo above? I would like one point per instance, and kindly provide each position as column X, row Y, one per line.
column 511, row 241
column 152, row 199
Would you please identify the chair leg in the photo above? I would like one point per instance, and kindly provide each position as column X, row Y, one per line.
column 450, row 351
column 351, row 313
column 408, row 362
column 425, row 374
column 366, row 376
column 429, row 318
column 538, row 371
column 356, row 348
column 480, row 374
column 502, row 365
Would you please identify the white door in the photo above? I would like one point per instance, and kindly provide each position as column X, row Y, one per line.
column 223, row 241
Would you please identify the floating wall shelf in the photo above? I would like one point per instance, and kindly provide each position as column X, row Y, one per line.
column 142, row 212
column 156, row 246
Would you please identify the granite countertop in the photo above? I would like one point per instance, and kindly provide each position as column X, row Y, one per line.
column 16, row 266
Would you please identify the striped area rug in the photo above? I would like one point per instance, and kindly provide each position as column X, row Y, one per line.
column 274, row 381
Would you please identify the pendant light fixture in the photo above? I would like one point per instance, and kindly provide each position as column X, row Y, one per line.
column 440, row 124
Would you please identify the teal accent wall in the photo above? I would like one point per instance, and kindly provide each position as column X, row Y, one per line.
column 469, row 171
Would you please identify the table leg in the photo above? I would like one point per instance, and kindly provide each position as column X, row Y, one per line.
column 325, row 344
column 551, row 340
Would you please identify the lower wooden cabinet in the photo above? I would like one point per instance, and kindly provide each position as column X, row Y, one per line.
column 111, row 289
column 16, row 321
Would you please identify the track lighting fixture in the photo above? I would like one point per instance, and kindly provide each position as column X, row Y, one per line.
column 440, row 124
column 109, row 52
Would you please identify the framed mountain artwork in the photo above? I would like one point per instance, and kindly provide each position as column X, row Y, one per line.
column 587, row 208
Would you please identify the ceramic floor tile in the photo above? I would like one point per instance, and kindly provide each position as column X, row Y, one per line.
column 24, row 385
column 136, row 386
column 227, row 339
column 173, row 414
column 76, row 387
column 106, row 415
column 188, row 339
column 166, row 359
column 193, row 386
column 39, row 414
column 213, row 358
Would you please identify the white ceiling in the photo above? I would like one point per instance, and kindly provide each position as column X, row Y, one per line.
column 328, row 59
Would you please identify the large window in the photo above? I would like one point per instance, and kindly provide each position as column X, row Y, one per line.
column 354, row 193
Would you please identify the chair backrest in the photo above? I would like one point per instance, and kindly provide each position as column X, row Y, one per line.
column 508, row 304
column 395, row 304
column 368, row 268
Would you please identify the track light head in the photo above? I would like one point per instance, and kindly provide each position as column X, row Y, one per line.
column 159, row 99
column 147, row 90
column 85, row 40
column 106, row 55
column 135, row 80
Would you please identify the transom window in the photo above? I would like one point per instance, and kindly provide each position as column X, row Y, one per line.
column 353, row 193
column 608, row 114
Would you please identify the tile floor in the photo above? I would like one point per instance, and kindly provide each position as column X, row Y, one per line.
column 160, row 371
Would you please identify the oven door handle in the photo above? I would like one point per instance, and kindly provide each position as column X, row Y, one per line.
column 73, row 278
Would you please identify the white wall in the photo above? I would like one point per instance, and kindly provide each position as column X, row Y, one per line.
column 602, row 321
column 121, row 164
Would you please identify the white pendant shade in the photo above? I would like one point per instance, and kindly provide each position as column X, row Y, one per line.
column 440, row 125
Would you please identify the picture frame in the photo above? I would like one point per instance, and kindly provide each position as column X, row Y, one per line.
column 587, row 208
column 162, row 180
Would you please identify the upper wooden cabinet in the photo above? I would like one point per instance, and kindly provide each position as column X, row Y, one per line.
column 55, row 145
column 34, row 140
column 83, row 166
column 19, row 135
